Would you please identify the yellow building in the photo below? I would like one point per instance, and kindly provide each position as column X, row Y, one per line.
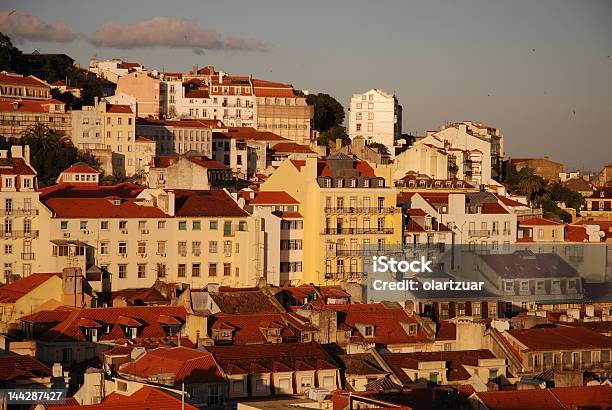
column 348, row 207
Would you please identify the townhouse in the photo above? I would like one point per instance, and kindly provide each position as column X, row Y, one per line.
column 175, row 137
column 350, row 208
column 283, row 225
column 598, row 207
column 560, row 348
column 112, row 70
column 275, row 369
column 187, row 172
column 108, row 131
column 477, row 218
column 19, row 115
column 136, row 236
column 144, row 87
column 376, row 116
column 194, row 371
column 19, row 220
column 23, row 87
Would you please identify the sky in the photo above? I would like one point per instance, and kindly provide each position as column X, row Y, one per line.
column 540, row 71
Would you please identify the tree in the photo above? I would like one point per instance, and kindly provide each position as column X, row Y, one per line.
column 328, row 112
column 330, row 136
column 380, row 148
column 50, row 152
column 11, row 58
column 529, row 183
column 509, row 175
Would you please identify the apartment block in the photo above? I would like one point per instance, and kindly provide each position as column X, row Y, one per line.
column 376, row 116
column 176, row 137
column 348, row 207
column 17, row 116
column 19, row 219
column 23, row 87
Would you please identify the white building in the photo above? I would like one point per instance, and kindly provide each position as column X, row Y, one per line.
column 19, row 222
column 376, row 116
column 113, row 69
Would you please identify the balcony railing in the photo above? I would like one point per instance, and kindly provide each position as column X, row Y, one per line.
column 358, row 231
column 362, row 210
column 19, row 234
column 27, row 256
column 344, row 275
column 18, row 212
column 480, row 233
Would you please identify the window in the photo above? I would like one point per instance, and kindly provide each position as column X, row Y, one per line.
column 213, row 225
column 524, row 285
column 122, row 248
column 122, row 271
column 142, row 270
column 492, row 374
column 161, row 247
column 212, row 269
column 369, row 331
column 196, row 225
column 227, row 269
column 161, row 270
column 142, row 247
column 103, row 248
column 195, row 248
column 181, row 271
column 8, row 249
column 212, row 247
column 305, row 382
column 182, row 225
column 104, row 225
column 433, row 377
column 161, row 225
column 122, row 224
column 182, row 248
column 195, row 270
column 227, row 247
column 63, row 225
column 540, row 286
column 83, row 225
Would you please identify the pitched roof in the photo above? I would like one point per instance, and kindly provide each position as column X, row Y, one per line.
column 17, row 79
column 12, row 292
column 80, row 168
column 526, row 264
column 273, row 198
column 291, row 147
column 118, row 109
column 262, row 358
column 15, row 366
column 557, row 398
column 201, row 123
column 455, row 361
column 388, row 323
column 537, row 221
column 206, row 203
column 361, row 364
column 179, row 363
column 143, row 317
column 8, row 105
column 15, row 166
column 560, row 338
column 248, row 328
column 144, row 398
column 244, row 301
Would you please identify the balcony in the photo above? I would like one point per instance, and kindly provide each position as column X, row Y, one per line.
column 362, row 210
column 344, row 275
column 482, row 233
column 19, row 234
column 27, row 256
column 358, row 231
column 18, row 212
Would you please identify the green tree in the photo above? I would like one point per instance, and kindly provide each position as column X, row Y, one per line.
column 529, row 183
column 380, row 148
column 50, row 152
column 328, row 112
column 11, row 58
column 329, row 137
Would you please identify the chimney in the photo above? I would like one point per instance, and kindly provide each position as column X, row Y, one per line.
column 220, row 77
column 212, row 288
column 16, row 151
column 137, row 352
column 57, row 370
column 171, row 202
column 96, row 101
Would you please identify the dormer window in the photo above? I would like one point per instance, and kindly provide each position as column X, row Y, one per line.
column 412, row 329
column 368, row 331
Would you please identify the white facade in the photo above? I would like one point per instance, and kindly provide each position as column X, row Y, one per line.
column 376, row 116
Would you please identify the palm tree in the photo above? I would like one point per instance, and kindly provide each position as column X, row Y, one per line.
column 529, row 183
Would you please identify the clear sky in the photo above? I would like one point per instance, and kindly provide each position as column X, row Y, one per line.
column 541, row 71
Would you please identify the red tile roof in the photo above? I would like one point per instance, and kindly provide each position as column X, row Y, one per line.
column 12, row 292
column 576, row 233
column 17, row 79
column 198, row 93
column 145, row 398
column 557, row 398
column 244, row 301
column 119, row 109
column 248, row 133
column 510, row 202
column 292, row 147
column 288, row 215
column 248, row 328
column 268, row 357
column 560, row 338
column 140, row 138
column 528, row 265
column 493, row 208
column 537, row 221
column 455, row 362
column 80, row 168
column 144, row 317
column 15, row 166
column 273, row 198
column 206, row 203
column 49, row 316
column 181, row 364
column 387, row 323
column 15, row 366
column 9, row 105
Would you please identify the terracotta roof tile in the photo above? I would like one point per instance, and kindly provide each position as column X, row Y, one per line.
column 273, row 198
column 560, row 338
column 12, row 292
column 209, row 203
